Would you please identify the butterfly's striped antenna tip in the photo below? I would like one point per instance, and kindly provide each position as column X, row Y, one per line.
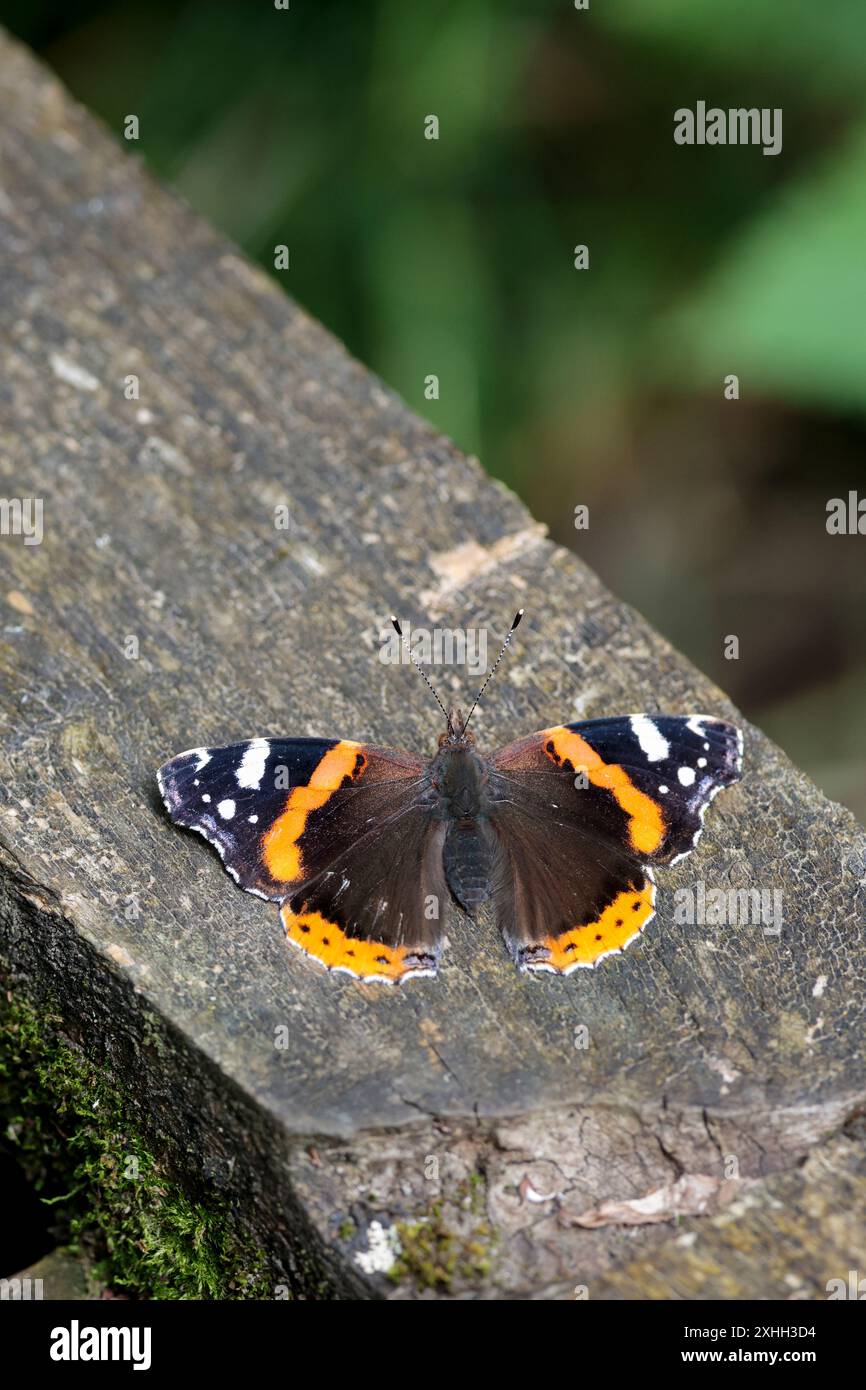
column 490, row 674
column 430, row 686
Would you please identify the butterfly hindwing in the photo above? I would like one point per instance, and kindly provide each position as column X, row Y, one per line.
column 374, row 908
column 314, row 824
column 563, row 898
column 583, row 811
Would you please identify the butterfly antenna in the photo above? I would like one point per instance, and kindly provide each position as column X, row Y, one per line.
column 399, row 631
column 492, row 672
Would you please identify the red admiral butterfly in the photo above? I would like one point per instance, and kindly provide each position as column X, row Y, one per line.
column 361, row 845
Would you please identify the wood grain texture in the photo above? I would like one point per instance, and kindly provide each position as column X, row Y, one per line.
column 159, row 525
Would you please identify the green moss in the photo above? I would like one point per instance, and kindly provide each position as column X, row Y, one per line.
column 443, row 1246
column 75, row 1140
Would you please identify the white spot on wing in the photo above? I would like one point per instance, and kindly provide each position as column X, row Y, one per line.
column 226, row 808
column 650, row 738
column 252, row 764
column 686, row 775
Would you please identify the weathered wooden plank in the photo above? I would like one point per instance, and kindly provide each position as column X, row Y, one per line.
column 158, row 526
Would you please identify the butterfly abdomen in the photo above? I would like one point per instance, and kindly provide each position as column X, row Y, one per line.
column 468, row 860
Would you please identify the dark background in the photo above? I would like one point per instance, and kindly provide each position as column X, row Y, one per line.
column 455, row 257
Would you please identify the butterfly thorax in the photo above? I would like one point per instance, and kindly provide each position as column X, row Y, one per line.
column 459, row 778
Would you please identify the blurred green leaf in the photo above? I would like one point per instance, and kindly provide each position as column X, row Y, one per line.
column 822, row 44
column 784, row 308
column 431, row 311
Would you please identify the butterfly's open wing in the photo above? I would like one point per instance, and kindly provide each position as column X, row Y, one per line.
column 337, row 832
column 582, row 812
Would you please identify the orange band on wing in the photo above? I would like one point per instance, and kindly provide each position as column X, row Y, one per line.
column 646, row 826
column 331, row 947
column 280, row 849
column 619, row 924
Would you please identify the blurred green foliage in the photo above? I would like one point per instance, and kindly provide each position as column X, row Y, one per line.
column 786, row 303
column 455, row 257
column 306, row 127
